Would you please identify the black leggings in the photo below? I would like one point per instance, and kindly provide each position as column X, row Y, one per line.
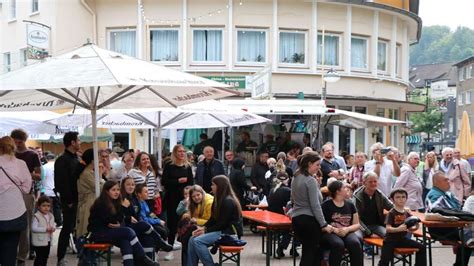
column 308, row 231
column 390, row 245
column 171, row 219
column 337, row 244
column 42, row 254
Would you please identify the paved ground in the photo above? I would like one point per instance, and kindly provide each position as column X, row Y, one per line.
column 442, row 256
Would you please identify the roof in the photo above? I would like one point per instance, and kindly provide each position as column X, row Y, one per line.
column 419, row 74
column 464, row 61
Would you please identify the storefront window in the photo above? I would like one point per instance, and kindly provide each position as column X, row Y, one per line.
column 360, row 133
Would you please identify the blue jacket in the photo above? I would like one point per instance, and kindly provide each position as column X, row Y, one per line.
column 437, row 198
column 216, row 167
column 145, row 214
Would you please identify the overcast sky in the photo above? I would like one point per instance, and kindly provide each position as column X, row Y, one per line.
column 452, row 13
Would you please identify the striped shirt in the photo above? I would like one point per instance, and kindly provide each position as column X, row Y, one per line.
column 149, row 179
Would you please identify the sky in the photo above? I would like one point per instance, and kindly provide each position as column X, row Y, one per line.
column 452, row 13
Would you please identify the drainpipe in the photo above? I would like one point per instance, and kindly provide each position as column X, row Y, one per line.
column 94, row 21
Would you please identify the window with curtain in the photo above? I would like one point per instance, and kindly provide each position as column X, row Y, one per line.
column 251, row 46
column 123, row 41
column 382, row 56
column 331, row 50
column 164, row 45
column 7, row 61
column 359, row 53
column 292, row 48
column 34, row 6
column 207, row 45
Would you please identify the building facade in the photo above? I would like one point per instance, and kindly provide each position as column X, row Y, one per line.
column 366, row 42
column 465, row 89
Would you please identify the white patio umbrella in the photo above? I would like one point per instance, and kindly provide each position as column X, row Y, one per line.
column 208, row 114
column 94, row 78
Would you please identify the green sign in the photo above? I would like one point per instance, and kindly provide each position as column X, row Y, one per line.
column 237, row 82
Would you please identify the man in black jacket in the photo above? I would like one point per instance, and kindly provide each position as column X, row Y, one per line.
column 66, row 185
column 208, row 168
column 259, row 170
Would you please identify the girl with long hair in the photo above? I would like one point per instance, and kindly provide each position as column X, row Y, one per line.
column 226, row 218
column 199, row 212
column 177, row 174
column 106, row 223
column 307, row 216
column 431, row 166
column 342, row 215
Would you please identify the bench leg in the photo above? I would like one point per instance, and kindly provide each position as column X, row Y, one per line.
column 220, row 257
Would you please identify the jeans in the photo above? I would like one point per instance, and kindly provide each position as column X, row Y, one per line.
column 24, row 245
column 390, row 245
column 198, row 248
column 69, row 222
column 308, row 232
column 8, row 247
column 123, row 237
column 378, row 230
column 337, row 244
column 42, row 254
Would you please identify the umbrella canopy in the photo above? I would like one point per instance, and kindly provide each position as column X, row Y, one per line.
column 209, row 114
column 464, row 141
column 94, row 78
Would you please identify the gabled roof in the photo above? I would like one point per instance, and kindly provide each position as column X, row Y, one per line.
column 419, row 74
column 464, row 61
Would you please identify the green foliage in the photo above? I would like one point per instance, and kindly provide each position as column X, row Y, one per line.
column 438, row 44
column 429, row 122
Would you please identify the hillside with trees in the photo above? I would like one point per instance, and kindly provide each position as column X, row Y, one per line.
column 438, row 44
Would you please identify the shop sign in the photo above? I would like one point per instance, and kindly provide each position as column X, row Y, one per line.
column 237, row 82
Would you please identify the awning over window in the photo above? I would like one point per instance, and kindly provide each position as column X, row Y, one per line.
column 415, row 139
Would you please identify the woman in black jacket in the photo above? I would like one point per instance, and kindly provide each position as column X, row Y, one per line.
column 106, row 223
column 226, row 218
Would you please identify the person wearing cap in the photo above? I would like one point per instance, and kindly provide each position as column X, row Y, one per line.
column 86, row 190
column 278, row 198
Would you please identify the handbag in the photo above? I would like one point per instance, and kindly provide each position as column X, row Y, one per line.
column 21, row 190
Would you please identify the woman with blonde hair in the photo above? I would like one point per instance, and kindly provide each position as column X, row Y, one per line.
column 15, row 180
column 177, row 174
column 430, row 167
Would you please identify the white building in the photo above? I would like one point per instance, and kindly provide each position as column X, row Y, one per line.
column 367, row 42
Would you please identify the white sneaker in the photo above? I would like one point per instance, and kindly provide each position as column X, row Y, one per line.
column 169, row 257
column 177, row 246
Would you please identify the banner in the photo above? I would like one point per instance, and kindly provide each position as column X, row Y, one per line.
column 260, row 83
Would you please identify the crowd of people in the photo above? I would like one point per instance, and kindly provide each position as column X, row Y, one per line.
column 334, row 201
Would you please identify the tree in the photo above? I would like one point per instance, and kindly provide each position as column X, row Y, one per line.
column 429, row 122
column 438, row 44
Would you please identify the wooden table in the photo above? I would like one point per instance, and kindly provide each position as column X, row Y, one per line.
column 257, row 206
column 272, row 221
column 459, row 225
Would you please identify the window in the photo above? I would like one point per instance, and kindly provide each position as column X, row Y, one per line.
column 23, row 57
column 472, row 71
column 468, row 98
column 468, row 71
column 331, row 50
column 359, row 53
column 461, row 99
column 292, row 48
column 398, row 59
column 7, row 61
column 123, row 41
column 34, row 6
column 12, row 9
column 251, row 46
column 207, row 45
column 460, row 73
column 382, row 56
column 164, row 45
column 451, row 124
column 393, row 114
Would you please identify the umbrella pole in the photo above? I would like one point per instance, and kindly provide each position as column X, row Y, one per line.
column 95, row 147
column 158, row 139
column 223, row 144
